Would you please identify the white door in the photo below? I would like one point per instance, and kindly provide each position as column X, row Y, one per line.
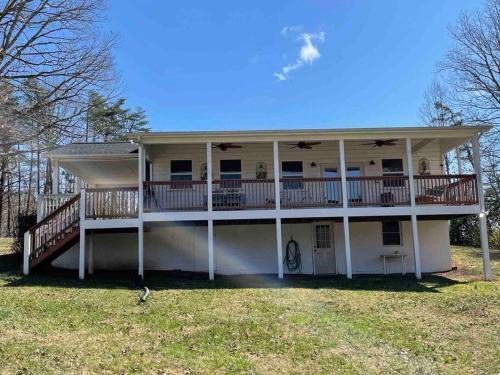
column 323, row 250
column 331, row 190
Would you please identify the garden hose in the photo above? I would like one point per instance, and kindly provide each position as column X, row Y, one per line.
column 292, row 259
column 145, row 295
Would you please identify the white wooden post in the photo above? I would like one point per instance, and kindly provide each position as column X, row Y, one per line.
column 343, row 173
column 347, row 238
column 414, row 223
column 483, row 227
column 140, row 229
column 277, row 200
column 81, row 262
column 459, row 161
column 416, row 247
column 55, row 176
column 91, row 253
column 347, row 243
column 26, row 253
column 210, row 227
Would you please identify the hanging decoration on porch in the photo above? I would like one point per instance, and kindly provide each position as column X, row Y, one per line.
column 203, row 172
column 261, row 170
column 423, row 167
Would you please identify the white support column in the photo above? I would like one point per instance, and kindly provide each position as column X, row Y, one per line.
column 409, row 167
column 414, row 223
column 55, row 176
column 459, row 161
column 343, row 173
column 347, row 243
column 210, row 226
column 26, row 253
column 140, row 229
column 277, row 200
column 416, row 247
column 91, row 253
column 276, row 160
column 81, row 260
column 483, row 227
column 279, row 248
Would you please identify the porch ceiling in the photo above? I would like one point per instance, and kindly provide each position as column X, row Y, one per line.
column 105, row 172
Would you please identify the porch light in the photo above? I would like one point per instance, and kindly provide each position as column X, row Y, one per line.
column 372, row 162
column 313, row 164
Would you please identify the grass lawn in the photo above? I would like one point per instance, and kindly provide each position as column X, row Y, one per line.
column 448, row 323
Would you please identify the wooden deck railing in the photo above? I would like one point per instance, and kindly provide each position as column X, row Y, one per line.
column 311, row 192
column 54, row 227
column 111, row 203
column 47, row 203
column 446, row 189
column 243, row 194
column 175, row 196
column 377, row 191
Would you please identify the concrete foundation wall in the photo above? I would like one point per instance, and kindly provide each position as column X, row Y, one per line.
column 243, row 249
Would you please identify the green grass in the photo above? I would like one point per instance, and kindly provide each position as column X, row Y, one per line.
column 448, row 323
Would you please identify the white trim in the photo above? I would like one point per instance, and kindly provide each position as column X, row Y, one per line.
column 55, row 177
column 110, row 223
column 409, row 167
column 211, row 272
column 90, row 260
column 209, row 177
column 81, row 260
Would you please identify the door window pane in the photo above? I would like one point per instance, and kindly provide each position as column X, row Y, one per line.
column 323, row 238
column 292, row 172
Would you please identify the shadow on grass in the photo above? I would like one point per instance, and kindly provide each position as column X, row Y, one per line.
column 156, row 280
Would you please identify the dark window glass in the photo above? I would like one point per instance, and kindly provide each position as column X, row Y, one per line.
column 230, row 165
column 181, row 166
column 292, row 166
column 391, row 234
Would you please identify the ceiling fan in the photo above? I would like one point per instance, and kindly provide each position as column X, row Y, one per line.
column 226, row 146
column 302, row 145
column 381, row 142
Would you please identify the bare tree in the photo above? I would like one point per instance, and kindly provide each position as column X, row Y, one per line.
column 55, row 46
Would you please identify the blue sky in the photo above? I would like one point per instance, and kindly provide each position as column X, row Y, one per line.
column 223, row 65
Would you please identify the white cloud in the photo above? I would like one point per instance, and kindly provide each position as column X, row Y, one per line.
column 308, row 51
column 290, row 29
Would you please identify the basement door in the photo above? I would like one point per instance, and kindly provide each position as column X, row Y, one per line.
column 323, row 249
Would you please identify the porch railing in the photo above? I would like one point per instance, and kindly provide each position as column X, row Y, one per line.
column 311, row 192
column 243, row 194
column 385, row 191
column 47, row 203
column 446, row 189
column 111, row 203
column 175, row 196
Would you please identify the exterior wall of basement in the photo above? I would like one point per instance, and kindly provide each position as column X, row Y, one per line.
column 246, row 249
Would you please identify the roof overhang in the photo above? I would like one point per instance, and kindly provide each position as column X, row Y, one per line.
column 421, row 132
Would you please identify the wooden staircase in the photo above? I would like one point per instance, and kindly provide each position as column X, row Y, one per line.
column 55, row 234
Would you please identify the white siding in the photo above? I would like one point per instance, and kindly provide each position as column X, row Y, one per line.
column 241, row 249
column 325, row 153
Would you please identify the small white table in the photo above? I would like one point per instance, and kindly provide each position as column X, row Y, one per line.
column 385, row 257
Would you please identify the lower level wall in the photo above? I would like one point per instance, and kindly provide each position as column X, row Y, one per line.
column 243, row 249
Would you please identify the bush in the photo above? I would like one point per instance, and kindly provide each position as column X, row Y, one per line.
column 23, row 224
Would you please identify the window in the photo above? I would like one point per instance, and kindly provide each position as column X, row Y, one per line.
column 181, row 170
column 391, row 233
column 393, row 167
column 230, row 170
column 292, row 173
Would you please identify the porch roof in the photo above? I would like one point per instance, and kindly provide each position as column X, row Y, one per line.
column 456, row 135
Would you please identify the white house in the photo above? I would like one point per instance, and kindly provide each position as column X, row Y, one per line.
column 349, row 201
